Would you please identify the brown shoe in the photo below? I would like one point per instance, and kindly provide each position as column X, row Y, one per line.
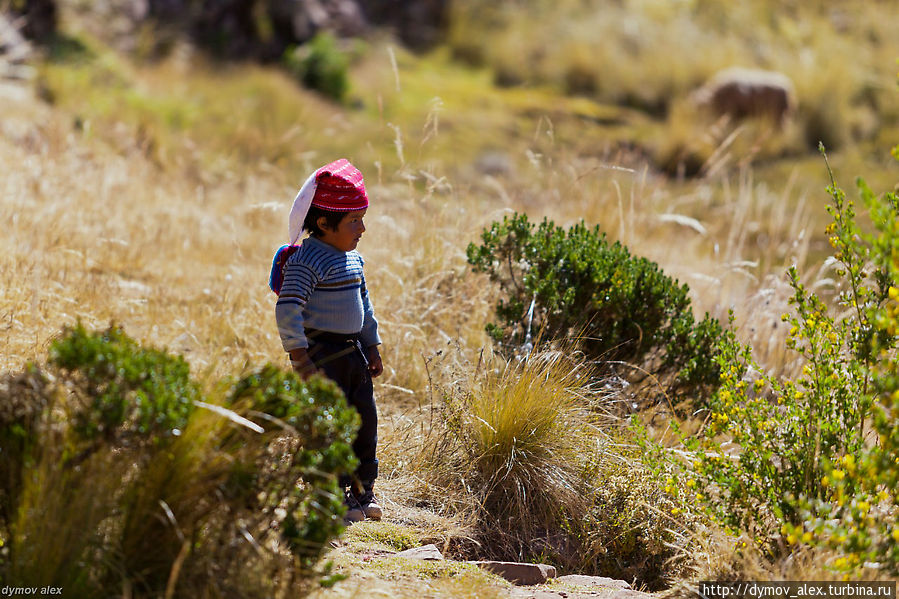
column 369, row 504
column 354, row 511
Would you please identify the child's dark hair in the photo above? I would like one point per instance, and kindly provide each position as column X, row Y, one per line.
column 311, row 221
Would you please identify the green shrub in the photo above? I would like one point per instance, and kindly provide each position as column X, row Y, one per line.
column 129, row 389
column 127, row 474
column 814, row 460
column 24, row 398
column 320, row 65
column 617, row 305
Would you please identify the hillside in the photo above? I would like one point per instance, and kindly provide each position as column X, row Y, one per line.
column 150, row 189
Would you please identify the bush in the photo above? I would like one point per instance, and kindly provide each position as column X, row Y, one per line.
column 320, row 65
column 127, row 389
column 24, row 398
column 522, row 449
column 126, row 474
column 814, row 459
column 618, row 306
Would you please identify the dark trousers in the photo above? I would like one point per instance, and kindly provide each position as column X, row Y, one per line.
column 342, row 359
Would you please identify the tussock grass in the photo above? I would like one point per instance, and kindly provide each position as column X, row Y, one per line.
column 514, row 446
column 529, row 458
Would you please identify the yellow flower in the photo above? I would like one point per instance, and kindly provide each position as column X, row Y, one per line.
column 675, row 511
column 895, row 534
column 894, row 293
column 691, row 483
column 791, row 539
column 838, row 474
column 699, row 497
column 807, row 537
column 825, row 482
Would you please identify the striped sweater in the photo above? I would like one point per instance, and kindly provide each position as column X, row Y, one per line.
column 324, row 289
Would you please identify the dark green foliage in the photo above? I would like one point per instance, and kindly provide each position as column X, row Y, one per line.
column 128, row 387
column 115, row 466
column 23, row 401
column 315, row 415
column 619, row 306
column 320, row 65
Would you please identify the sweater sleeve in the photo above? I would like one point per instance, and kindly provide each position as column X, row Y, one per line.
column 299, row 281
column 369, row 335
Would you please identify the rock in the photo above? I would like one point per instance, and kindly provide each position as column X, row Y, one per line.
column 494, row 164
column 628, row 594
column 418, row 24
column 519, row 573
column 529, row 593
column 593, row 581
column 297, row 21
column 425, row 552
column 15, row 52
column 39, row 18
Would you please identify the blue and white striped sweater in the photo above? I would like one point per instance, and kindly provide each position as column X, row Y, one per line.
column 324, row 289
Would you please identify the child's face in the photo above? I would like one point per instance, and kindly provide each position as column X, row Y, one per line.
column 347, row 234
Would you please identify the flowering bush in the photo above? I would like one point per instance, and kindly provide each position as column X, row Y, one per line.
column 815, row 460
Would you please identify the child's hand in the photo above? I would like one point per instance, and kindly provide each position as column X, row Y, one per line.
column 375, row 367
column 301, row 363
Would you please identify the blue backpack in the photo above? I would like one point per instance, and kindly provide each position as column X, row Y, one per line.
column 276, row 278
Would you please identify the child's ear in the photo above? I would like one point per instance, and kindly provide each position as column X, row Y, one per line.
column 322, row 223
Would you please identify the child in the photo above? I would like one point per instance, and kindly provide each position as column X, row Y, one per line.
column 324, row 315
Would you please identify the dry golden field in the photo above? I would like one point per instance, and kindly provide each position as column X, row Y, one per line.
column 154, row 195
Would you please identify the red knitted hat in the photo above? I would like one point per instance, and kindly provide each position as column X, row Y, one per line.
column 339, row 187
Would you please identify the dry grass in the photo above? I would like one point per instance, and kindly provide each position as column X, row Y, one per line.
column 160, row 207
column 521, row 440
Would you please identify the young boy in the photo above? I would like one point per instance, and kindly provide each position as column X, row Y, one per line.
column 324, row 315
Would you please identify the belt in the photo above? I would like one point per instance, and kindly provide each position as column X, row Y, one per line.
column 353, row 341
column 316, row 335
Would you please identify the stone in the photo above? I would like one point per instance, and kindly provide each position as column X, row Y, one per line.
column 425, row 552
column 419, row 24
column 532, row 593
column 39, row 18
column 519, row 573
column 593, row 581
